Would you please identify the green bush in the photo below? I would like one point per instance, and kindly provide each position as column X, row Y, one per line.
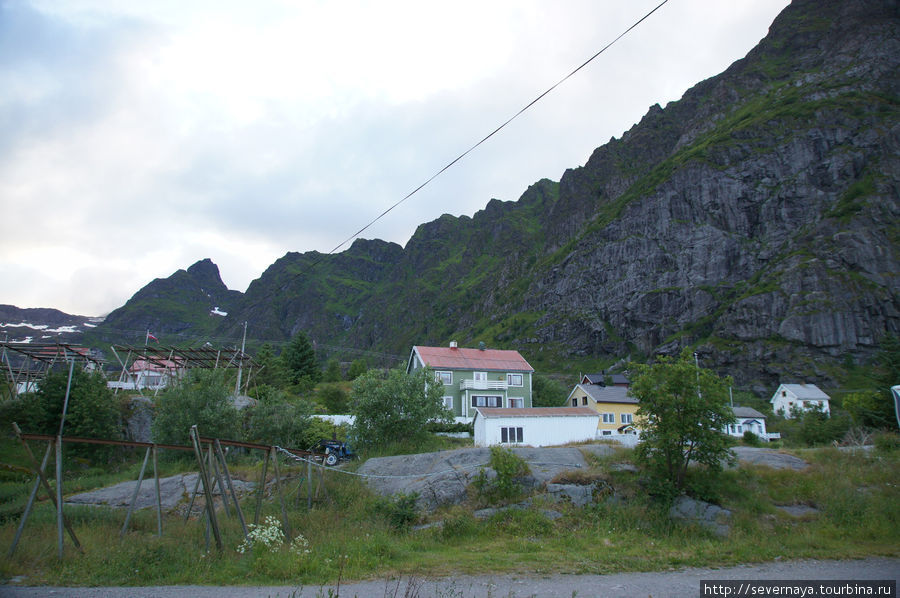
column 506, row 485
column 200, row 399
column 751, row 439
column 395, row 406
column 400, row 510
column 334, row 398
column 92, row 412
column 886, row 442
column 281, row 423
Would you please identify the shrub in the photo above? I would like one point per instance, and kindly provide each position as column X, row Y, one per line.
column 400, row 510
column 751, row 439
column 282, row 423
column 92, row 412
column 886, row 442
column 200, row 399
column 395, row 406
column 507, row 483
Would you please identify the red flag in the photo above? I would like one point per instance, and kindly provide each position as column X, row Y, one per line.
column 151, row 337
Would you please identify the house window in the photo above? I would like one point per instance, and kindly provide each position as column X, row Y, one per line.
column 575, row 402
column 514, row 379
column 448, row 402
column 510, row 435
column 607, row 432
column 584, row 400
column 516, row 402
column 627, row 418
column 784, row 393
column 483, row 401
column 609, row 418
column 480, row 376
column 445, row 378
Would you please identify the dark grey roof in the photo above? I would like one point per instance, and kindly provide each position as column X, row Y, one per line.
column 747, row 412
column 608, row 394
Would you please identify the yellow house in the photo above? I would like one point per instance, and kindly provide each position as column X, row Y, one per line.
column 617, row 409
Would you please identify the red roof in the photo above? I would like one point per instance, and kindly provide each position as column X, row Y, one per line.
column 472, row 359
column 537, row 412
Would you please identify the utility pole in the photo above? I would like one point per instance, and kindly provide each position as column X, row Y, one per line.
column 697, row 364
column 237, row 386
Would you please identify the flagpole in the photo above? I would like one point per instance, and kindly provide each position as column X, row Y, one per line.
column 147, row 338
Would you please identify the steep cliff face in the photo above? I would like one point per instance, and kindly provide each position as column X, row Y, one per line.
column 755, row 219
column 761, row 216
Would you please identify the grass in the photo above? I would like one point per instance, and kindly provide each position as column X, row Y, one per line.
column 350, row 536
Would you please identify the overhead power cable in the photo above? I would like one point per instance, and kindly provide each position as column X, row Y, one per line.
column 492, row 133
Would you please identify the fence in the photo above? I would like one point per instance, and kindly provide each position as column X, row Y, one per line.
column 213, row 472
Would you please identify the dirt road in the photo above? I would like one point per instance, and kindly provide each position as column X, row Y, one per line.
column 667, row 584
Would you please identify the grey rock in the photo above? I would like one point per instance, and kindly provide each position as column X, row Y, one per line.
column 769, row 458
column 140, row 419
column 692, row 511
column 443, row 478
column 173, row 490
column 579, row 496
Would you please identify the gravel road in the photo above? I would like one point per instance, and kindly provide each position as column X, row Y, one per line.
column 674, row 584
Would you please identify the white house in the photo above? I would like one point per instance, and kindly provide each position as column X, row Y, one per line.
column 536, row 426
column 144, row 373
column 748, row 419
column 801, row 397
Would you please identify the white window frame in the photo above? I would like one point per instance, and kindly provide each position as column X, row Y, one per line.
column 519, row 400
column 511, row 377
column 499, row 400
column 444, row 377
column 448, row 402
column 627, row 418
column 609, row 418
column 479, row 376
column 512, row 431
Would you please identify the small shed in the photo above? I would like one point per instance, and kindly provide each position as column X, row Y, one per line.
column 537, row 426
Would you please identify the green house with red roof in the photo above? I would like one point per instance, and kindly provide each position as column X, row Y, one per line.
column 481, row 377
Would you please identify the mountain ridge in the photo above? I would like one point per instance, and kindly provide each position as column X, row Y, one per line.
column 750, row 219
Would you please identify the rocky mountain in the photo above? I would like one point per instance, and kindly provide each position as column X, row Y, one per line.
column 754, row 219
column 188, row 303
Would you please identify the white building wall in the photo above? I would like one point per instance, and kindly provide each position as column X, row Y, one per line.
column 537, row 431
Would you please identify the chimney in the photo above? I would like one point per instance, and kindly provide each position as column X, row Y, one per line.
column 453, row 344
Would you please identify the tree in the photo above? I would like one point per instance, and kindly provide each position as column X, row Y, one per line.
column 92, row 412
column 333, row 371
column 280, row 422
column 395, row 406
column 683, row 411
column 357, row 368
column 333, row 398
column 200, row 399
column 271, row 369
column 299, row 359
column 547, row 392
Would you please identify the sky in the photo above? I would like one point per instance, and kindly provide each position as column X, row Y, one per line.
column 137, row 138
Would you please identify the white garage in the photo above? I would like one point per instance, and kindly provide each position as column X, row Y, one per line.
column 538, row 426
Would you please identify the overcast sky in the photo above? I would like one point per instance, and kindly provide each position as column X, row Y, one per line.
column 137, row 137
